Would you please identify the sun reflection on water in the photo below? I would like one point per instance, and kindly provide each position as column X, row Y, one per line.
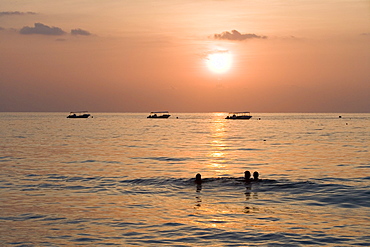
column 218, row 150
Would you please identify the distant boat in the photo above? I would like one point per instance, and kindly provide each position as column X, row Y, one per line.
column 239, row 115
column 78, row 114
column 159, row 114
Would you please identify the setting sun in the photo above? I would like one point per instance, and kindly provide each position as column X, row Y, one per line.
column 219, row 62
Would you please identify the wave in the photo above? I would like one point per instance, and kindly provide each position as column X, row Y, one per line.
column 313, row 192
column 168, row 159
column 263, row 184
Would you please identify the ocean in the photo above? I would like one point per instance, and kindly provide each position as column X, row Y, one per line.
column 120, row 179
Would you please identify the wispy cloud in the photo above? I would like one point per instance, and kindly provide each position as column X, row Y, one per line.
column 79, row 31
column 4, row 13
column 216, row 51
column 234, row 35
column 40, row 28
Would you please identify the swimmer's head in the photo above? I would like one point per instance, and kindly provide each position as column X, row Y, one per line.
column 198, row 178
column 247, row 175
column 255, row 175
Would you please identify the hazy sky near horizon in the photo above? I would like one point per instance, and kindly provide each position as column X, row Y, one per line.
column 146, row 55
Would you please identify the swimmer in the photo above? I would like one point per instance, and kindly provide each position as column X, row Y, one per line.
column 255, row 176
column 247, row 176
column 198, row 178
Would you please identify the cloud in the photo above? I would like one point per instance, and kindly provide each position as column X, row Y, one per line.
column 3, row 13
column 216, row 51
column 40, row 28
column 79, row 31
column 237, row 36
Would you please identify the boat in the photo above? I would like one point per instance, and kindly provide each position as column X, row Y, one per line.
column 159, row 114
column 239, row 115
column 78, row 114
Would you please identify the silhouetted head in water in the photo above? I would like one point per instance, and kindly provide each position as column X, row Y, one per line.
column 255, row 175
column 247, row 175
column 198, row 178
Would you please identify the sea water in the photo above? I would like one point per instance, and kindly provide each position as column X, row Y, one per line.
column 122, row 179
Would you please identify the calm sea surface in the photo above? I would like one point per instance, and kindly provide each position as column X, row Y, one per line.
column 122, row 179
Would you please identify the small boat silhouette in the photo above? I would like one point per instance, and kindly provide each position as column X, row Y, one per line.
column 159, row 114
column 78, row 114
column 239, row 115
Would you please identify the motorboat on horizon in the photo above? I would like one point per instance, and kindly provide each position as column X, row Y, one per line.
column 79, row 114
column 239, row 115
column 159, row 114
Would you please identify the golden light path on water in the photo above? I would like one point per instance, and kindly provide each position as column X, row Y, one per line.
column 217, row 154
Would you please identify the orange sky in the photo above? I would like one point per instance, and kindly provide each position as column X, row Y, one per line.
column 146, row 55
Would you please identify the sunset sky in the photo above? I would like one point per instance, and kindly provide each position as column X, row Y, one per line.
column 185, row 55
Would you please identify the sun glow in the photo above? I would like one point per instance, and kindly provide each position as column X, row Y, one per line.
column 219, row 62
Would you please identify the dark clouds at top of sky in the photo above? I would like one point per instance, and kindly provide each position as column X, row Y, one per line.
column 234, row 35
column 43, row 29
column 4, row 13
column 40, row 28
column 79, row 31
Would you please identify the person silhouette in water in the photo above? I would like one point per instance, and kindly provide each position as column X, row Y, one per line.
column 247, row 176
column 198, row 178
column 255, row 176
column 198, row 182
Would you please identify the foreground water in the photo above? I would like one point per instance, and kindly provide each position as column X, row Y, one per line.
column 123, row 179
